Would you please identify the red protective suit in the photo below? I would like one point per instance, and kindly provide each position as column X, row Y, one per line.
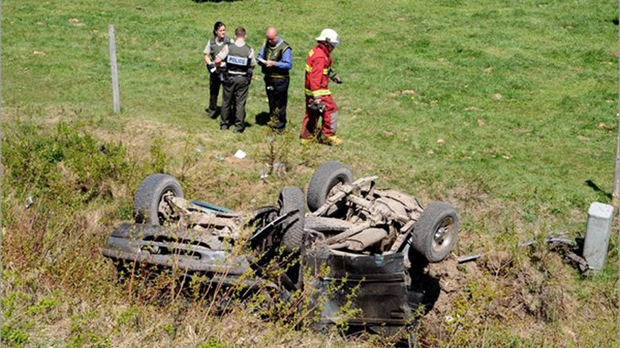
column 318, row 65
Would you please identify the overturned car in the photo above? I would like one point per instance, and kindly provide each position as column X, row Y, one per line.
column 371, row 242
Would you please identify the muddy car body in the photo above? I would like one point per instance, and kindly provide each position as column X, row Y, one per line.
column 365, row 242
column 374, row 242
column 198, row 237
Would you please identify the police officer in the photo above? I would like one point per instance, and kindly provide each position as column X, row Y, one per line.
column 213, row 47
column 276, row 59
column 240, row 60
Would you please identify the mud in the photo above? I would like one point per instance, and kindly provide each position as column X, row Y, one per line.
column 530, row 289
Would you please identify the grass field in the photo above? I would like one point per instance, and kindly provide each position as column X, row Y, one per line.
column 506, row 109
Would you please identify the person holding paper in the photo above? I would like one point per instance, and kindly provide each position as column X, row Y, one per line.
column 276, row 59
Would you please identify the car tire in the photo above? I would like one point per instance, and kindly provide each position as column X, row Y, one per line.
column 262, row 216
column 324, row 179
column 292, row 199
column 149, row 206
column 436, row 231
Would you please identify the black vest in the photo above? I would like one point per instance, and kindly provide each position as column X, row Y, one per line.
column 215, row 48
column 275, row 54
column 238, row 58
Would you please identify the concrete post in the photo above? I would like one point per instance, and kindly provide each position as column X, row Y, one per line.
column 597, row 234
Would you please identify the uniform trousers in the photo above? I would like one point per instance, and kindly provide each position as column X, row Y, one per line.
column 277, row 94
column 236, row 90
column 329, row 118
column 214, row 91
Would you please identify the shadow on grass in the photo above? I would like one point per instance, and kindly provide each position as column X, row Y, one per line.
column 262, row 118
column 218, row 112
column 597, row 189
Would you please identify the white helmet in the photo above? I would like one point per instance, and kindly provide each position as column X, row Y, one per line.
column 330, row 36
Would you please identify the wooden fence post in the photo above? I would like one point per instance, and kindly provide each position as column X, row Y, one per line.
column 115, row 90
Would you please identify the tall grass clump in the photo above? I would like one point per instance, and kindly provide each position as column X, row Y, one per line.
column 52, row 179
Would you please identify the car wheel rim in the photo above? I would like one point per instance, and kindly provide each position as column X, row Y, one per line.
column 443, row 234
column 165, row 209
column 334, row 190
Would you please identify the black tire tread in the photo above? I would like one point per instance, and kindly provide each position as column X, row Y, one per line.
column 292, row 199
column 328, row 175
column 146, row 200
column 424, row 229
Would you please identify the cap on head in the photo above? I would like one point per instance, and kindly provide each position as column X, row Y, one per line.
column 329, row 35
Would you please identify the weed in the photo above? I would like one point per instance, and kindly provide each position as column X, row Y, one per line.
column 191, row 154
column 14, row 337
column 159, row 158
column 212, row 343
column 273, row 152
column 83, row 334
column 127, row 317
column 44, row 304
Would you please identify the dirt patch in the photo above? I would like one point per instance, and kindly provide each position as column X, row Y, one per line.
column 529, row 290
column 453, row 278
column 450, row 280
column 138, row 136
column 239, row 162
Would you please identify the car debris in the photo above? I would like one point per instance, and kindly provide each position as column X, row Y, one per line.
column 29, row 202
column 371, row 241
column 570, row 248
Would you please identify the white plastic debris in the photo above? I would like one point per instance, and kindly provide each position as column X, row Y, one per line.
column 240, row 154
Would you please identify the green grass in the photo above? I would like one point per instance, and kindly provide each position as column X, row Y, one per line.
column 503, row 108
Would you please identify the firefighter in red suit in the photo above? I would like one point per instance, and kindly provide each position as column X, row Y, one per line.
column 319, row 101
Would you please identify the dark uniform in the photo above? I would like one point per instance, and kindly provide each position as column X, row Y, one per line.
column 240, row 60
column 215, row 82
column 277, row 80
